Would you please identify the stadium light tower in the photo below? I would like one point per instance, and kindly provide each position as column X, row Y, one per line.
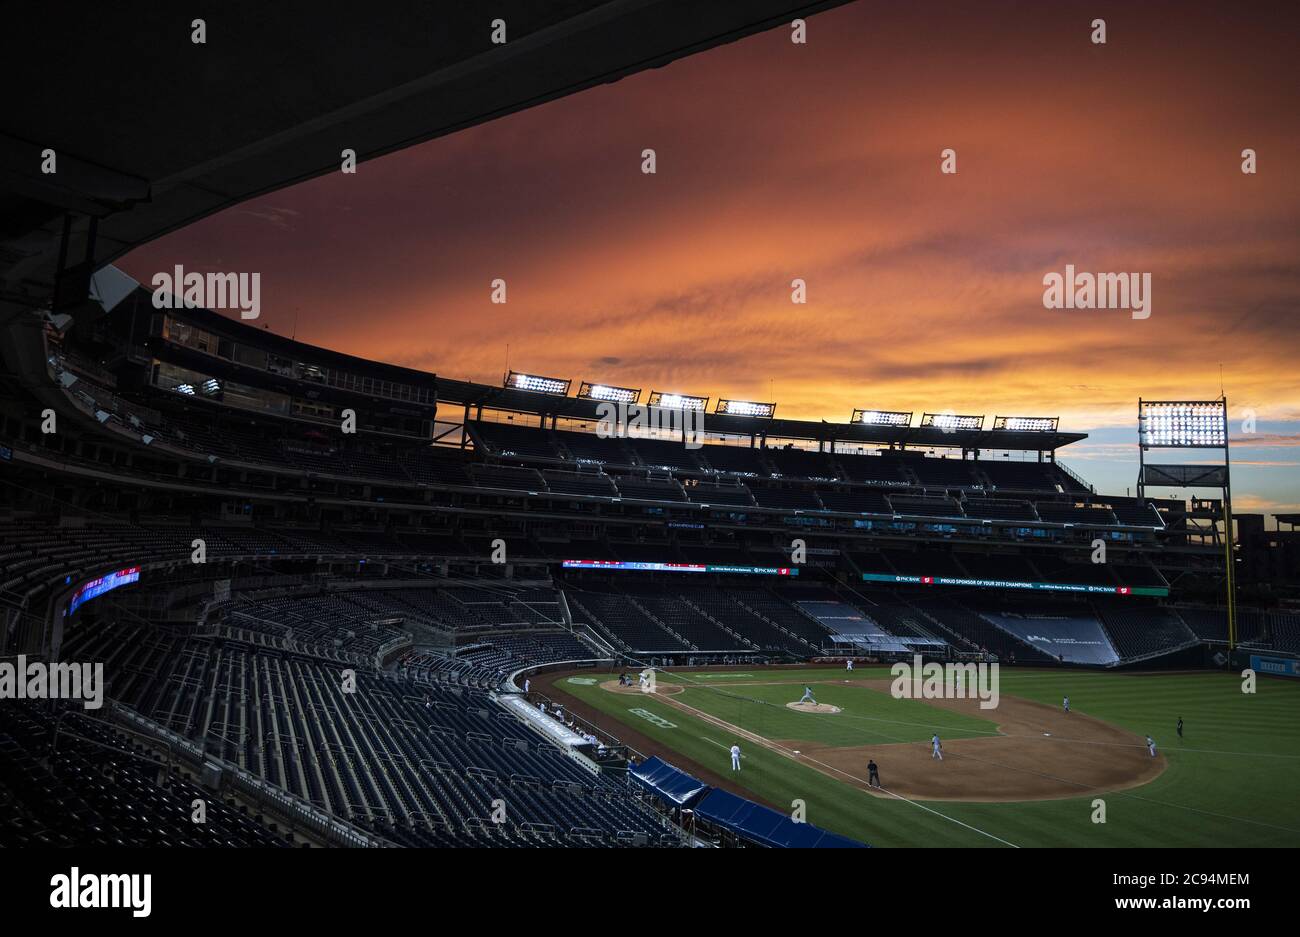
column 1192, row 424
column 538, row 384
column 590, row 391
column 1027, row 424
column 953, row 421
column 672, row 401
column 746, row 408
column 883, row 417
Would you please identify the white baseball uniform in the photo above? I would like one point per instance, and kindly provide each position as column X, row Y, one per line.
column 935, row 751
column 735, row 758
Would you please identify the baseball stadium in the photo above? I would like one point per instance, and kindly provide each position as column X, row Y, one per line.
column 632, row 568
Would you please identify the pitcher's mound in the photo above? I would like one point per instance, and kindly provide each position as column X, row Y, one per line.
column 813, row 707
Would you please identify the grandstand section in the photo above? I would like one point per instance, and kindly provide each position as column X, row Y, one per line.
column 84, row 781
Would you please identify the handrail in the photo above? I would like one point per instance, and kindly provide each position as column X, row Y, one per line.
column 1075, row 475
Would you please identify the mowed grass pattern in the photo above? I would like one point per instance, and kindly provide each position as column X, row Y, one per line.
column 1233, row 780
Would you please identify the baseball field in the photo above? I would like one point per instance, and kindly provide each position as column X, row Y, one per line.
column 1022, row 774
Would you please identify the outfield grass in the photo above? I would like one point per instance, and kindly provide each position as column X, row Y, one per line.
column 1233, row 780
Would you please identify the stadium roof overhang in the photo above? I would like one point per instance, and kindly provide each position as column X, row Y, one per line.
column 475, row 397
column 152, row 132
column 142, row 299
column 546, row 406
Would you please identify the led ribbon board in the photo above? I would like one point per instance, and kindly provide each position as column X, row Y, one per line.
column 1015, row 584
column 105, row 583
column 681, row 567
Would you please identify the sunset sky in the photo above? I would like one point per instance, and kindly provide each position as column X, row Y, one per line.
column 822, row 161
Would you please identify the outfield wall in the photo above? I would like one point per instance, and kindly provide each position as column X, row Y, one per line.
column 1272, row 663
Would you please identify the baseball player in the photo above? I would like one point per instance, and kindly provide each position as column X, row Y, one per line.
column 1066, row 704
column 1151, row 746
column 873, row 774
column 807, row 696
column 735, row 757
column 848, row 665
column 1180, row 726
column 936, row 750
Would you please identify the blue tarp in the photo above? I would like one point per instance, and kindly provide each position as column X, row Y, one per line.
column 765, row 826
column 842, row 619
column 1077, row 639
column 672, row 784
column 744, row 817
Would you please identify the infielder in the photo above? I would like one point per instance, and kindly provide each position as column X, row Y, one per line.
column 873, row 774
column 936, row 750
column 1151, row 746
column 1066, row 704
column 807, row 696
column 735, row 757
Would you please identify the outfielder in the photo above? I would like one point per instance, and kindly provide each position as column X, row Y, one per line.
column 848, row 665
column 936, row 750
column 1066, row 704
column 735, row 757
